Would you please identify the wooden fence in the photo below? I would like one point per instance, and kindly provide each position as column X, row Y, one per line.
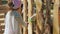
column 41, row 17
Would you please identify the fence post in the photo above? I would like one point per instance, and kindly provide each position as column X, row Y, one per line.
column 38, row 13
column 55, row 17
column 29, row 15
column 25, row 15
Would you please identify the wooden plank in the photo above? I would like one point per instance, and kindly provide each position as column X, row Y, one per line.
column 48, row 18
column 55, row 18
column 2, row 27
column 38, row 13
column 25, row 16
column 37, row 29
column 59, row 19
column 2, row 16
column 25, row 10
column 2, row 31
column 4, row 9
column 29, row 15
column 1, row 21
column 0, row 2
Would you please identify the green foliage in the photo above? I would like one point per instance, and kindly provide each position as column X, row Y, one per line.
column 4, row 2
column 29, row 20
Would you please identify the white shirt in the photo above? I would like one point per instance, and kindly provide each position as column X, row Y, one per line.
column 12, row 22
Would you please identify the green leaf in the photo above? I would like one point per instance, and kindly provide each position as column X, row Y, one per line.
column 4, row 2
column 29, row 20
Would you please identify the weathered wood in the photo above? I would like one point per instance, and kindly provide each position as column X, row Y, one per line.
column 33, row 17
column 29, row 15
column 25, row 15
column 2, row 16
column 59, row 16
column 2, row 27
column 0, row 2
column 25, row 10
column 38, row 13
column 3, row 9
column 37, row 31
column 1, row 21
column 2, row 31
column 48, row 17
column 55, row 17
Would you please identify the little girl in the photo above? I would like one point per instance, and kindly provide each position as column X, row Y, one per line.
column 13, row 20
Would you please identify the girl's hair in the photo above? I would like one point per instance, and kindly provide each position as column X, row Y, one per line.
column 11, row 5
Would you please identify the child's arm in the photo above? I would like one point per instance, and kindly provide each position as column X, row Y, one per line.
column 19, row 19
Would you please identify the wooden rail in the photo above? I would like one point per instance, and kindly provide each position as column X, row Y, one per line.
column 30, row 13
column 55, row 19
column 25, row 16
